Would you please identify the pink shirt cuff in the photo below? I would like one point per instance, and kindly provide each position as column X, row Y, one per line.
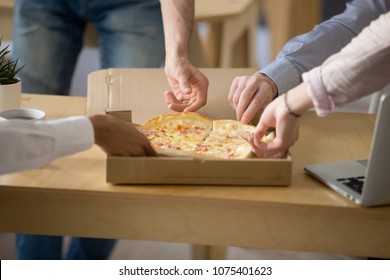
column 323, row 103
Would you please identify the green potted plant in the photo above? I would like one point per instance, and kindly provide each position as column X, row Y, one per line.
column 10, row 85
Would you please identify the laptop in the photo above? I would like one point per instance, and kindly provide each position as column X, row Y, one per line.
column 366, row 181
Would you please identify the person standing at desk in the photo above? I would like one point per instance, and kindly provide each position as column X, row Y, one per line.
column 48, row 36
column 249, row 95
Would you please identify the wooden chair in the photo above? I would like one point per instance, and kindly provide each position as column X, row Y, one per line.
column 287, row 19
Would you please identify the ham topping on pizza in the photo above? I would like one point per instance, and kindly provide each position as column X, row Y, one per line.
column 191, row 134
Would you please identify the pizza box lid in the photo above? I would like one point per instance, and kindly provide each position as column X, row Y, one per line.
column 140, row 91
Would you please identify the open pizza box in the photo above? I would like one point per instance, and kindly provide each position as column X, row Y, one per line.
column 137, row 95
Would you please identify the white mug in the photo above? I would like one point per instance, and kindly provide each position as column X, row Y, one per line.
column 22, row 114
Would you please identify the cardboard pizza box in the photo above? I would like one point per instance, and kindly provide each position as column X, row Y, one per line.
column 141, row 91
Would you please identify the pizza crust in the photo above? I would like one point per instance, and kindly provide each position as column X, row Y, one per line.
column 193, row 135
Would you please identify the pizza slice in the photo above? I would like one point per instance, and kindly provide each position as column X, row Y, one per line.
column 228, row 140
column 177, row 134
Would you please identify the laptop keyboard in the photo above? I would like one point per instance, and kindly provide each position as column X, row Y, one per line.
column 355, row 183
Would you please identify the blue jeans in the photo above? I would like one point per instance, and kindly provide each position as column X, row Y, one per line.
column 48, row 37
column 43, row 247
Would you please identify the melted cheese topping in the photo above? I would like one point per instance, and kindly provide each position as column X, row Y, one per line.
column 195, row 134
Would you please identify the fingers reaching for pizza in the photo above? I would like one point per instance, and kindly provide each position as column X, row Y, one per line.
column 188, row 86
column 182, row 102
column 286, row 126
column 267, row 148
column 249, row 95
column 119, row 138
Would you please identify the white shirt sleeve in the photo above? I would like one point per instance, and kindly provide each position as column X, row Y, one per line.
column 25, row 145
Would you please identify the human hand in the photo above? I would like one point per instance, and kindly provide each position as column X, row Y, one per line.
column 249, row 95
column 283, row 114
column 119, row 138
column 286, row 125
column 188, row 86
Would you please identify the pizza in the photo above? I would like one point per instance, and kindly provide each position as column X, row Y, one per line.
column 194, row 135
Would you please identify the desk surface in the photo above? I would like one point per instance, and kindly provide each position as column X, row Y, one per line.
column 69, row 196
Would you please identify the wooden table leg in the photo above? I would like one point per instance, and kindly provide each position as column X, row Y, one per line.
column 206, row 252
column 287, row 19
column 231, row 42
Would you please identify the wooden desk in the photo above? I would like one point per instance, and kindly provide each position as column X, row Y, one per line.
column 69, row 196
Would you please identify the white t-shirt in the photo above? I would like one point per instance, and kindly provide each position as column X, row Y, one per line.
column 25, row 145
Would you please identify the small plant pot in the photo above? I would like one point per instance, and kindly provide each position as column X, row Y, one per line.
column 10, row 96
